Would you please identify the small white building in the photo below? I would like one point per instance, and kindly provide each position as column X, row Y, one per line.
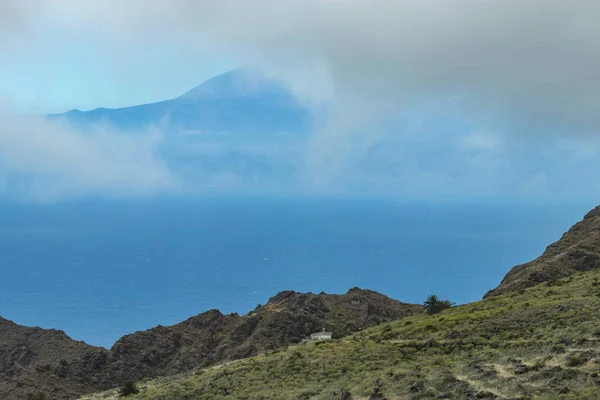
column 321, row 335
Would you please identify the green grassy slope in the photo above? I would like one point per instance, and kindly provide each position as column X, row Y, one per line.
column 539, row 343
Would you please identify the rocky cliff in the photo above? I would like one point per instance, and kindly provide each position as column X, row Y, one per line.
column 577, row 250
column 34, row 360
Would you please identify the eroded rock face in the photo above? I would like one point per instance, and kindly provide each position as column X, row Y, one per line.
column 211, row 337
column 577, row 250
column 35, row 360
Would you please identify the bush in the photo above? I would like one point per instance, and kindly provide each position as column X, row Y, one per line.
column 575, row 360
column 128, row 389
column 434, row 305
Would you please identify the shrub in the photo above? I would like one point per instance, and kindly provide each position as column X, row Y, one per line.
column 434, row 305
column 307, row 395
column 575, row 360
column 128, row 389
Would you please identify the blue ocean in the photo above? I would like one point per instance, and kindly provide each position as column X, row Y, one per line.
column 99, row 270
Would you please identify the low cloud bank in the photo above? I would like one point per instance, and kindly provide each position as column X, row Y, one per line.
column 44, row 160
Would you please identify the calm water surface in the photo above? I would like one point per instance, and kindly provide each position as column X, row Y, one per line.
column 99, row 270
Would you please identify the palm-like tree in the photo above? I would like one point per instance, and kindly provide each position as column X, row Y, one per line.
column 434, row 305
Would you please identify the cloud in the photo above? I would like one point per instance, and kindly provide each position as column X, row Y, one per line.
column 42, row 160
column 480, row 141
column 11, row 17
column 528, row 69
column 531, row 62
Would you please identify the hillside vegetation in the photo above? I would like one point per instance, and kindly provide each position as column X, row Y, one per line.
column 577, row 250
column 536, row 343
column 35, row 360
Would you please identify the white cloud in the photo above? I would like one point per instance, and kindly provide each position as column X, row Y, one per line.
column 527, row 68
column 530, row 63
column 480, row 141
column 42, row 160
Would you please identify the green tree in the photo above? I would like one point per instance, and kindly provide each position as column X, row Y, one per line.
column 128, row 389
column 434, row 304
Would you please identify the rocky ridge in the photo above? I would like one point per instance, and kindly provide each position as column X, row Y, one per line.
column 577, row 250
column 34, row 360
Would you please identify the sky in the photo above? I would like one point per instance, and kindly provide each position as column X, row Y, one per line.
column 491, row 96
column 55, row 71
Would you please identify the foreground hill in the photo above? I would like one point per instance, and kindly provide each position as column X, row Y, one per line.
column 286, row 319
column 35, row 360
column 540, row 343
column 578, row 250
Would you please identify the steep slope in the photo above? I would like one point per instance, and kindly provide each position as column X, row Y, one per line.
column 35, row 360
column 577, row 250
column 211, row 337
column 238, row 101
column 541, row 343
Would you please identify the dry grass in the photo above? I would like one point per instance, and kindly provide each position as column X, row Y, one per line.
column 540, row 343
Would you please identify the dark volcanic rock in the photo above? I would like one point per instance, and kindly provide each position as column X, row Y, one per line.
column 577, row 250
column 417, row 387
column 485, row 395
column 35, row 360
column 523, row 369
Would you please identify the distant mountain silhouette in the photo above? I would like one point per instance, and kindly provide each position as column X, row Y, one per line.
column 237, row 131
column 238, row 101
